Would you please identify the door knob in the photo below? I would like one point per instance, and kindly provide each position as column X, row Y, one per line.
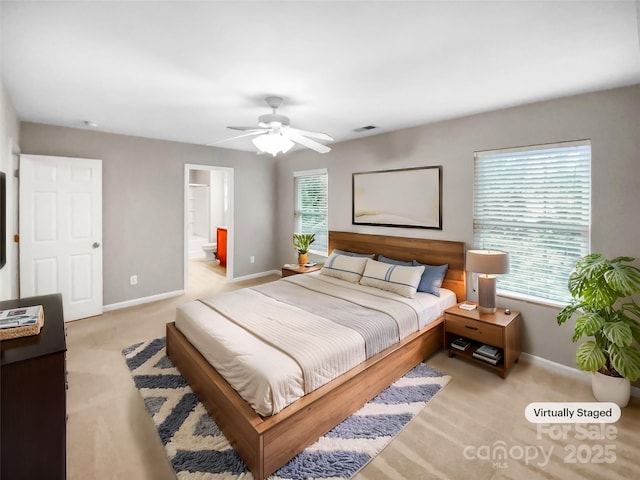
column 96, row 244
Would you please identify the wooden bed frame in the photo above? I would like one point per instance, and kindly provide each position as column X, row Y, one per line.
column 267, row 443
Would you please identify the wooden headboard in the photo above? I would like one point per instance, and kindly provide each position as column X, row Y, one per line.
column 431, row 252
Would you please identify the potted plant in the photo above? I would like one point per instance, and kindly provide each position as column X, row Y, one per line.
column 601, row 291
column 301, row 242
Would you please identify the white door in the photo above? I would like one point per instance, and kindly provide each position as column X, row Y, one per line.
column 61, row 231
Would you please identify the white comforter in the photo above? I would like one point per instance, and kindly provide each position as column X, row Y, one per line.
column 273, row 343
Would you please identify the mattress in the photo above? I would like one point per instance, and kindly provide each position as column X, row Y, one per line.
column 276, row 342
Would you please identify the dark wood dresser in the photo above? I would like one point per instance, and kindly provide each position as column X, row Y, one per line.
column 33, row 397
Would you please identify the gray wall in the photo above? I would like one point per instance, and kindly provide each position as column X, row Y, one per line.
column 143, row 191
column 143, row 204
column 610, row 119
column 9, row 140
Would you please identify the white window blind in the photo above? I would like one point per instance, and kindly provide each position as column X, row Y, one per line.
column 311, row 207
column 535, row 204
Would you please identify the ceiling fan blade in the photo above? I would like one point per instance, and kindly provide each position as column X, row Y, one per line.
column 244, row 128
column 255, row 131
column 313, row 145
column 307, row 133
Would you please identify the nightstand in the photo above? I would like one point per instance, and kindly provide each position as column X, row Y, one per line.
column 495, row 329
column 298, row 269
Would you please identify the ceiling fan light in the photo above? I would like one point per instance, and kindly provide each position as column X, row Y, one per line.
column 273, row 143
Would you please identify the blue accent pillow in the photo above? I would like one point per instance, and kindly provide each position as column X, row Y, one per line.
column 392, row 261
column 432, row 278
column 352, row 254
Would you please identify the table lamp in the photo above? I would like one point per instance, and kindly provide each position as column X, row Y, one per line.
column 487, row 263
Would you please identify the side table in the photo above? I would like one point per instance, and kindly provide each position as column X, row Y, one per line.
column 499, row 329
column 288, row 270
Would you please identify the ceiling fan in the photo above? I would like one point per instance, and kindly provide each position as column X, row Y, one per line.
column 275, row 135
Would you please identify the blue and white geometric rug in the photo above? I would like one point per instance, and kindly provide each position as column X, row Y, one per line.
column 198, row 450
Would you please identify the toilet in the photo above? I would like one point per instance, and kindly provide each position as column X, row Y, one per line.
column 209, row 250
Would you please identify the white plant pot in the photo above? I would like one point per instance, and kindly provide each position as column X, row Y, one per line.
column 611, row 389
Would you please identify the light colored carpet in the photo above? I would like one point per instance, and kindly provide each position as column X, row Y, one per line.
column 110, row 435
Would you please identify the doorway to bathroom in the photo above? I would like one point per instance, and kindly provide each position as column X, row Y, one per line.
column 208, row 226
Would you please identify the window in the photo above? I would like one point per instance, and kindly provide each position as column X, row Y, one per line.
column 311, row 207
column 535, row 204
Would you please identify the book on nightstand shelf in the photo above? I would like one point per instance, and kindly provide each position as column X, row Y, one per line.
column 461, row 344
column 489, row 351
column 488, row 354
column 492, row 361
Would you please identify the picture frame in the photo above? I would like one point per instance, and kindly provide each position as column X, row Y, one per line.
column 406, row 198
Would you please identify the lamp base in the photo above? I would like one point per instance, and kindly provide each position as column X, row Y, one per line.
column 487, row 294
column 487, row 310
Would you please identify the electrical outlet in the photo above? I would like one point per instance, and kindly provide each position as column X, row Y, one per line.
column 133, row 280
column 252, row 259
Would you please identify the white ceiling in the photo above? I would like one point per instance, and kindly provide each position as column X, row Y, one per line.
column 181, row 70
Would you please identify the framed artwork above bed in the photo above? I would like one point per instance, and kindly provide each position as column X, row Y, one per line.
column 407, row 198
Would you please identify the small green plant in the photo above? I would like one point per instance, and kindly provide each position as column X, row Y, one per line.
column 302, row 241
column 601, row 293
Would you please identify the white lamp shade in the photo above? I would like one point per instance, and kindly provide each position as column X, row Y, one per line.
column 273, row 143
column 487, row 261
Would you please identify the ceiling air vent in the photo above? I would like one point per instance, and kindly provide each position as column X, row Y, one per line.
column 365, row 128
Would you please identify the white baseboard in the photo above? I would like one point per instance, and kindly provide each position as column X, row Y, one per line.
column 254, row 275
column 142, row 301
column 565, row 370
column 162, row 296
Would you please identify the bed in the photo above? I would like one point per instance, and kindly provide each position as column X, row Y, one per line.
column 267, row 441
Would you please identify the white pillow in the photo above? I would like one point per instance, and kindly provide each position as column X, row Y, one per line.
column 344, row 267
column 399, row 279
